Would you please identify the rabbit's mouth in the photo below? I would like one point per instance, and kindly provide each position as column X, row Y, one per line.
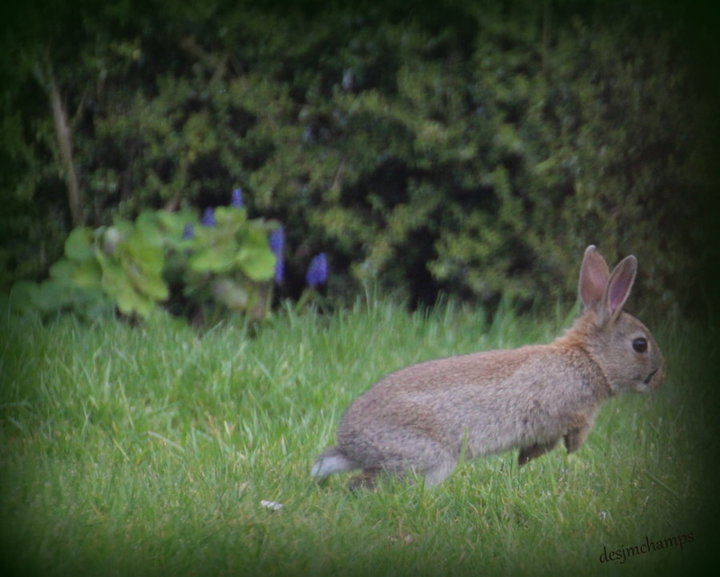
column 650, row 377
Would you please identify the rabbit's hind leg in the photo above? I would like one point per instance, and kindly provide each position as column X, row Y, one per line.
column 405, row 454
column 436, row 474
column 426, row 458
column 441, row 469
column 366, row 480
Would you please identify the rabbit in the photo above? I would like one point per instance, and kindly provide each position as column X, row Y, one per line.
column 419, row 420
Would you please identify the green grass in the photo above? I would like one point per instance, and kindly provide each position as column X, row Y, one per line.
column 149, row 450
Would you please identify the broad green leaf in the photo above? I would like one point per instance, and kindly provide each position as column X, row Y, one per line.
column 130, row 301
column 229, row 215
column 173, row 223
column 147, row 226
column 256, row 238
column 141, row 251
column 117, row 284
column 257, row 263
column 84, row 274
column 87, row 275
column 63, row 271
column 79, row 244
column 213, row 259
column 51, row 295
column 147, row 282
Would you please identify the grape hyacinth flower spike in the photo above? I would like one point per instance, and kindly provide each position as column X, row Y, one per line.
column 317, row 272
column 237, row 198
column 208, row 218
column 188, row 232
column 277, row 244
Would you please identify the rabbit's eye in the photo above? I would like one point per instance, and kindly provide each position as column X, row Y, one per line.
column 640, row 344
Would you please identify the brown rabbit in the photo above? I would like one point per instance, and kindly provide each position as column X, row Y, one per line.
column 421, row 418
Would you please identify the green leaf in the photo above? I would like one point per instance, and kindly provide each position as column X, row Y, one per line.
column 130, row 301
column 256, row 263
column 147, row 281
column 79, row 245
column 84, row 274
column 87, row 275
column 117, row 284
column 141, row 260
column 63, row 271
column 217, row 259
column 229, row 215
column 173, row 223
column 147, row 226
column 255, row 259
column 51, row 296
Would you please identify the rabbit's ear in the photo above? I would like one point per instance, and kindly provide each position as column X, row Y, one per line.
column 619, row 286
column 594, row 275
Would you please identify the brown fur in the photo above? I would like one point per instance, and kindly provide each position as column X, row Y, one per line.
column 419, row 420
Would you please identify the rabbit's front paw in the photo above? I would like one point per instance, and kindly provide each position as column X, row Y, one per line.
column 574, row 438
column 534, row 451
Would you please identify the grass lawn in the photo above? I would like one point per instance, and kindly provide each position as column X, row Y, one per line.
column 160, row 450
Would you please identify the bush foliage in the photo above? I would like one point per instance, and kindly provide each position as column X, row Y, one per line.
column 469, row 148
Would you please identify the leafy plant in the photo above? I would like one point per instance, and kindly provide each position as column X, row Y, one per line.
column 228, row 260
column 223, row 258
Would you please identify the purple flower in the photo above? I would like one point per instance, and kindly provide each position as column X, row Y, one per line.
column 237, row 198
column 277, row 243
column 317, row 272
column 188, row 232
column 208, row 218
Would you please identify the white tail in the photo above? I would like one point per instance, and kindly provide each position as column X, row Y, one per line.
column 332, row 461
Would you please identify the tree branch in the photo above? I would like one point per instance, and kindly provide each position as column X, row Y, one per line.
column 63, row 135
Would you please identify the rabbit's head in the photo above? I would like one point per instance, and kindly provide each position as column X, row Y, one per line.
column 622, row 346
